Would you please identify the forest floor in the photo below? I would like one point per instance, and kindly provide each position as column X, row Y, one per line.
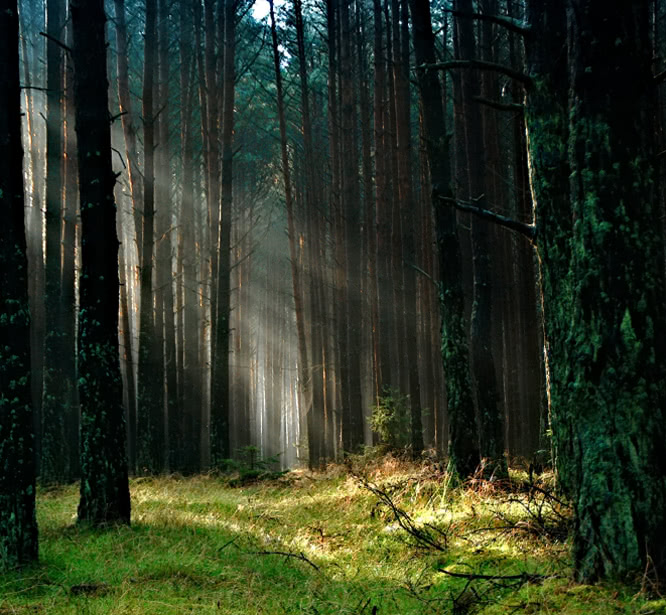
column 320, row 544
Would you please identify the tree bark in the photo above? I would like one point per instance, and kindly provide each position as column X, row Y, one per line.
column 104, row 485
column 18, row 524
column 609, row 422
column 463, row 447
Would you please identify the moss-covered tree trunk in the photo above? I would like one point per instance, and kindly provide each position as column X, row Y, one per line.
column 104, row 484
column 18, row 525
column 463, row 442
column 546, row 124
column 592, row 177
column 615, row 377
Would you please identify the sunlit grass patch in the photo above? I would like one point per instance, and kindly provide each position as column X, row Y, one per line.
column 307, row 543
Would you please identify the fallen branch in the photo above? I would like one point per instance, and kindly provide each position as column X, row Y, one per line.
column 427, row 536
column 523, row 577
column 528, row 230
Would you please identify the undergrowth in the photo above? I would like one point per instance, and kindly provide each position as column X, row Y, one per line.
column 326, row 543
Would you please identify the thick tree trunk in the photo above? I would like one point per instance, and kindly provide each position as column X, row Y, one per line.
column 104, row 485
column 18, row 524
column 609, row 420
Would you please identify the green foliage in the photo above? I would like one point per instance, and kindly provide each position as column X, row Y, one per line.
column 391, row 419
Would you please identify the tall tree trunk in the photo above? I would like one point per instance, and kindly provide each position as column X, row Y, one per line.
column 352, row 410
column 609, row 421
column 314, row 428
column 220, row 409
column 150, row 434
column 407, row 214
column 104, row 485
column 54, row 452
column 18, row 524
column 463, row 447
column 490, row 426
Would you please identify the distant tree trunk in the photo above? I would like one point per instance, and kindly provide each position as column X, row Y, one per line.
column 150, row 428
column 220, row 410
column 127, row 120
column 136, row 193
column 382, row 204
column 352, row 410
column 213, row 86
column 18, row 524
column 187, row 454
column 408, row 225
column 163, row 251
column 314, row 428
column 490, row 426
column 104, row 485
column 54, row 452
column 463, row 447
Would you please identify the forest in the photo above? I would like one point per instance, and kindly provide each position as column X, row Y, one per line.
column 332, row 306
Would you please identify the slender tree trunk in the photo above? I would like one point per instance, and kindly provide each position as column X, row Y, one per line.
column 104, row 485
column 220, row 409
column 127, row 120
column 18, row 524
column 54, row 451
column 463, row 448
column 150, row 433
column 352, row 411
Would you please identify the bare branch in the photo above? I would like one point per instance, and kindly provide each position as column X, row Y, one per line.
column 482, row 65
column 56, row 41
column 500, row 106
column 528, row 230
column 510, row 23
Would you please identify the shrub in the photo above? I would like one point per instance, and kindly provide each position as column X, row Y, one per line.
column 391, row 419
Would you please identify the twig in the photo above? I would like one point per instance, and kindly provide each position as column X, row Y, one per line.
column 227, row 544
column 298, row 556
column 113, row 118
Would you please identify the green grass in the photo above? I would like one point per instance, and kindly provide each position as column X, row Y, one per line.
column 197, row 545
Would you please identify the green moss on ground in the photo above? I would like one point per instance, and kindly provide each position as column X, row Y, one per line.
column 198, row 546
